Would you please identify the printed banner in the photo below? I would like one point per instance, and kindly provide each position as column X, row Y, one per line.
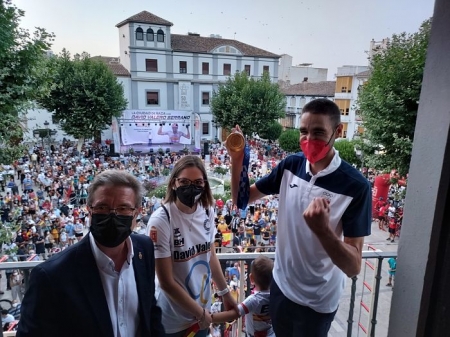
column 154, row 127
column 185, row 95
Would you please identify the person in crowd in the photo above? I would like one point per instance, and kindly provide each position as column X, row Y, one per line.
column 324, row 214
column 256, row 306
column 78, row 229
column 392, row 269
column 235, row 271
column 16, row 284
column 174, row 134
column 106, row 280
column 392, row 229
column 183, row 234
column 6, row 319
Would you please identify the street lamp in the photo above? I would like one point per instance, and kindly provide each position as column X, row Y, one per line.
column 216, row 124
column 46, row 124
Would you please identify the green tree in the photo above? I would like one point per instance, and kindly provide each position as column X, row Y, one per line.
column 388, row 102
column 271, row 131
column 289, row 140
column 21, row 76
column 220, row 170
column 159, row 192
column 347, row 152
column 251, row 103
column 85, row 95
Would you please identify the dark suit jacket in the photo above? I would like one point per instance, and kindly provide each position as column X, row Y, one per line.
column 66, row 298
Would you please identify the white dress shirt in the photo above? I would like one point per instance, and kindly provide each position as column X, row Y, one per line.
column 120, row 291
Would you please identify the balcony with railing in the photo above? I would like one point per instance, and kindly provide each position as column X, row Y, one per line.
column 363, row 309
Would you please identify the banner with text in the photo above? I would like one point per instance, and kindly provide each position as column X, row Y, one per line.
column 153, row 127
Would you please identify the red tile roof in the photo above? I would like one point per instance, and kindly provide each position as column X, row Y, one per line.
column 200, row 44
column 323, row 89
column 145, row 17
column 114, row 64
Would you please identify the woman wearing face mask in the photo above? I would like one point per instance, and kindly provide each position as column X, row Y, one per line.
column 183, row 234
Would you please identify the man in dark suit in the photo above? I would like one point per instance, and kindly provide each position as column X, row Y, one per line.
column 103, row 285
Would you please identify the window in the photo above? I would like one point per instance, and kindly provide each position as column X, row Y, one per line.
column 150, row 35
column 139, row 34
column 183, row 67
column 344, row 106
column 265, row 69
column 205, row 98
column 344, row 84
column 205, row 128
column 227, row 69
column 247, row 69
column 151, row 65
column 160, row 36
column 344, row 130
column 288, row 122
column 152, row 98
column 205, row 68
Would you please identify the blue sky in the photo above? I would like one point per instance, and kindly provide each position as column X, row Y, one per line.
column 327, row 33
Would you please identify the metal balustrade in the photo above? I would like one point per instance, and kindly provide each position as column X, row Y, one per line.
column 369, row 280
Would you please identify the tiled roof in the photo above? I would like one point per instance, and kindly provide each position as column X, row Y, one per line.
column 324, row 88
column 145, row 17
column 114, row 64
column 200, row 44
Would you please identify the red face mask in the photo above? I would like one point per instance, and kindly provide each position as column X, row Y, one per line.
column 315, row 149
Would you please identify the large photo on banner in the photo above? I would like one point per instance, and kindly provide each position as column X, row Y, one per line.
column 154, row 127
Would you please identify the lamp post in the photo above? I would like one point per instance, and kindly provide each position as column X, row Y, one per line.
column 46, row 124
column 216, row 125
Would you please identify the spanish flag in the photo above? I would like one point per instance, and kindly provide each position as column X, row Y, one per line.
column 227, row 238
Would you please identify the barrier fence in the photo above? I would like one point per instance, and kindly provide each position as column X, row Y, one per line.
column 371, row 279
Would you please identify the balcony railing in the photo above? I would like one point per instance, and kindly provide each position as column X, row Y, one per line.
column 362, row 303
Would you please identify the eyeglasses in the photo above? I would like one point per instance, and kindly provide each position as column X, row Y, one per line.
column 188, row 182
column 122, row 210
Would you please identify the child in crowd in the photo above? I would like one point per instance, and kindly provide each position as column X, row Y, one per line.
column 256, row 306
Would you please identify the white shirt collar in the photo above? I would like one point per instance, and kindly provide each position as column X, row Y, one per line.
column 334, row 164
column 103, row 261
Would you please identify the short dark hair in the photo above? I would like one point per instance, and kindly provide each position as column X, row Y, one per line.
column 323, row 106
column 4, row 312
column 262, row 272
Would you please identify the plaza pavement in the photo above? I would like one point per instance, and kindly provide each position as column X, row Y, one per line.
column 339, row 327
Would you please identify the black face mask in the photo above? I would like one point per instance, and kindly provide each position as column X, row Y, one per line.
column 111, row 230
column 188, row 195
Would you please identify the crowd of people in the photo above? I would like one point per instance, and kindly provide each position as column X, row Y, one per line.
column 389, row 213
column 53, row 198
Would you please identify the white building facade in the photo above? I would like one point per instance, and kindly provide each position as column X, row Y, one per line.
column 165, row 71
column 304, row 72
column 300, row 94
column 348, row 81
